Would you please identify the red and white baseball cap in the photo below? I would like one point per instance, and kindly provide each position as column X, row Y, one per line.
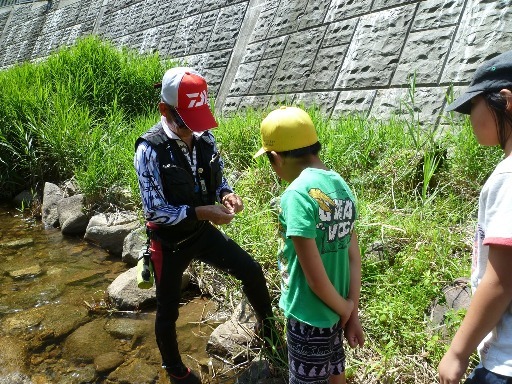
column 186, row 90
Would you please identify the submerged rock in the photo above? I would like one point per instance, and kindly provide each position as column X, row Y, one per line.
column 88, row 342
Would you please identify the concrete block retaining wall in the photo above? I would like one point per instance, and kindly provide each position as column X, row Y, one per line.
column 342, row 55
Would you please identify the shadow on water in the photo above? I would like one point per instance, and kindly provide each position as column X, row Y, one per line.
column 55, row 326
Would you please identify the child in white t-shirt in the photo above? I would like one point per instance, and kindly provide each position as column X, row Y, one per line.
column 487, row 325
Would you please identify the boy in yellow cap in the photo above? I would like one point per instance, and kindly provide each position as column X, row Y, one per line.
column 319, row 257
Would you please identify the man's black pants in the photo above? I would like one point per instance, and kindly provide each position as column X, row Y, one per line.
column 213, row 247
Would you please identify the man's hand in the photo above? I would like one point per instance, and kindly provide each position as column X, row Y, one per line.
column 217, row 214
column 354, row 331
column 232, row 202
column 452, row 368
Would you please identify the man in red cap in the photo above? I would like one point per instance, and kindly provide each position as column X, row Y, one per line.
column 180, row 178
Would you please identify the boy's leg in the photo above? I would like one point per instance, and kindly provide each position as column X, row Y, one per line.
column 337, row 379
column 315, row 355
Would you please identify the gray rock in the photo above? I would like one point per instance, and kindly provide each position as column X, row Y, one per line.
column 72, row 219
column 108, row 230
column 233, row 338
column 133, row 243
column 14, row 378
column 45, row 323
column 125, row 294
column 16, row 244
column 457, row 296
column 88, row 342
column 52, row 194
column 24, row 199
column 14, row 356
column 134, row 372
column 24, row 273
column 108, row 362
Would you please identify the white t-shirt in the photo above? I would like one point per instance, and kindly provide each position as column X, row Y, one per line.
column 495, row 228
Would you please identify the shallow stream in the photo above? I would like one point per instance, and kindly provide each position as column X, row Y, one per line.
column 55, row 326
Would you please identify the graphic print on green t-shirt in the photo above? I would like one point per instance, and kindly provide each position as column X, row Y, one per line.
column 336, row 219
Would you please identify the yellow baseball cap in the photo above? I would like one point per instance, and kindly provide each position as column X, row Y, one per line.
column 285, row 129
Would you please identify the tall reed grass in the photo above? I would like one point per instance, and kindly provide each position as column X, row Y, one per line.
column 79, row 113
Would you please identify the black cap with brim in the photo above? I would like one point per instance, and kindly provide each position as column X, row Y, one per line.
column 493, row 75
column 463, row 103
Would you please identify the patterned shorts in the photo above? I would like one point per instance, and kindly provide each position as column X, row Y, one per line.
column 314, row 353
column 481, row 375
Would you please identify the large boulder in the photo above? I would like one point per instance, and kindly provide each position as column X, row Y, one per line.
column 52, row 194
column 132, row 245
column 108, row 230
column 233, row 338
column 125, row 294
column 72, row 219
column 457, row 296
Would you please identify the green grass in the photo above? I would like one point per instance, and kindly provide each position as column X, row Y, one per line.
column 79, row 113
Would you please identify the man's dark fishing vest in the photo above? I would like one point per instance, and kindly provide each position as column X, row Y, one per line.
column 180, row 187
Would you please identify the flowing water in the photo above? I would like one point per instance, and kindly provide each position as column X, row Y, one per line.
column 56, row 327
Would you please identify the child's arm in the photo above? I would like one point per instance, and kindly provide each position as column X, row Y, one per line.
column 353, row 330
column 317, row 278
column 491, row 299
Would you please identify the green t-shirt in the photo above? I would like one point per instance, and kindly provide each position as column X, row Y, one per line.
column 317, row 205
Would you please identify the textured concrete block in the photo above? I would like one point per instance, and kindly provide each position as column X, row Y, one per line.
column 484, row 30
column 150, row 40
column 264, row 75
column 381, row 4
column 396, row 102
column 162, row 12
column 254, row 51
column 254, row 102
column 214, row 77
column 213, row 4
column 326, row 67
column 231, row 106
column 200, row 40
column 165, row 45
column 243, row 79
column 339, row 33
column 424, row 53
column 287, row 17
column 276, row 101
column 216, row 59
column 433, row 14
column 324, row 101
column 347, row 9
column 184, row 36
column 375, row 48
column 314, row 13
column 208, row 19
column 263, row 24
column 297, row 61
column 194, row 7
column 275, row 47
column 353, row 102
column 228, row 26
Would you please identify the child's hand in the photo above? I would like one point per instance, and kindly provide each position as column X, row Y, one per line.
column 354, row 331
column 452, row 368
column 348, row 307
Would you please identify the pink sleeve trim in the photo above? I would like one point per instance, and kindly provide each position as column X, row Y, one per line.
column 498, row 241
